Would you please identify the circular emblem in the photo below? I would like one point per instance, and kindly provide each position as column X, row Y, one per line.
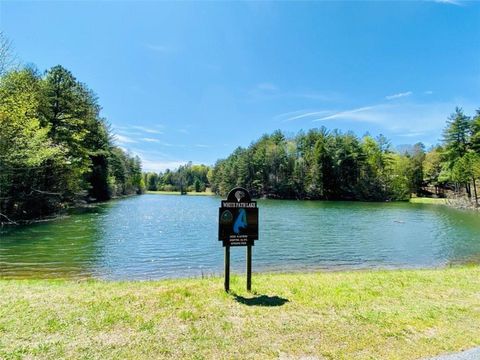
column 226, row 217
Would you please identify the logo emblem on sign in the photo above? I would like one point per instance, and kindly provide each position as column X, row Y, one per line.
column 239, row 195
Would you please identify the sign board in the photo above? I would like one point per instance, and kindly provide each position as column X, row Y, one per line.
column 238, row 219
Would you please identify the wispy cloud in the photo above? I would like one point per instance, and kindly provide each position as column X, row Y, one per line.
column 450, row 2
column 399, row 95
column 301, row 114
column 428, row 92
column 152, row 140
column 159, row 165
column 410, row 120
column 147, row 130
column 122, row 139
column 363, row 114
column 154, row 160
column 412, row 134
column 202, row 146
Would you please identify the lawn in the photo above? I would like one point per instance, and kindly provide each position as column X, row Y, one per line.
column 397, row 314
column 425, row 200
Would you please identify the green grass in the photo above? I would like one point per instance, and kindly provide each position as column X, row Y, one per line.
column 396, row 314
column 203, row 193
column 424, row 200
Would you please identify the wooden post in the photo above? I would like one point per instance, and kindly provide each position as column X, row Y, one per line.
column 249, row 267
column 227, row 268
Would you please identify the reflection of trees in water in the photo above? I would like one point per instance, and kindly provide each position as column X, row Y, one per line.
column 65, row 247
column 155, row 236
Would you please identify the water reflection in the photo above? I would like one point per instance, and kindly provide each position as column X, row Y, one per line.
column 154, row 236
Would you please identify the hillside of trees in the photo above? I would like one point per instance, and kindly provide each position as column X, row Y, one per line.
column 332, row 165
column 55, row 148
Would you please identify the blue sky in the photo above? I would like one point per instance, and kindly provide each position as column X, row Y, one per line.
column 192, row 81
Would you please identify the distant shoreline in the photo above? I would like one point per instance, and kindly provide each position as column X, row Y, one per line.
column 452, row 203
column 190, row 193
column 460, row 203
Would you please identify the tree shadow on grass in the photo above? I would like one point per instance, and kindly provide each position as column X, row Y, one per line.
column 261, row 300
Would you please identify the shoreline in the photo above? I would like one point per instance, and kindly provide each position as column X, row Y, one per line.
column 267, row 272
column 453, row 203
column 65, row 212
column 189, row 193
column 391, row 314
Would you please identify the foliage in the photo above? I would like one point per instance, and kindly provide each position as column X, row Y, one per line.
column 333, row 165
column 320, row 165
column 54, row 146
column 185, row 179
column 461, row 152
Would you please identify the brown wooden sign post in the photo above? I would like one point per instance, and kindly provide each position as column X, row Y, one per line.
column 238, row 226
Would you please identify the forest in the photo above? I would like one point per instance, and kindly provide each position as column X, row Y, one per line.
column 331, row 165
column 55, row 148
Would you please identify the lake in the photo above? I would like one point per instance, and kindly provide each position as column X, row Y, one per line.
column 166, row 236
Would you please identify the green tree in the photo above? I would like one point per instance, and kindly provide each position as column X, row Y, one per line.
column 25, row 149
column 475, row 139
column 456, row 136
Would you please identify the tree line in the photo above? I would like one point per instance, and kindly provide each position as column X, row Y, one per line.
column 55, row 148
column 187, row 177
column 332, row 165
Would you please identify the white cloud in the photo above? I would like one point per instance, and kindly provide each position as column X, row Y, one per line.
column 399, row 95
column 412, row 134
column 428, row 92
column 403, row 119
column 122, row 139
column 202, row 146
column 147, row 130
column 449, row 2
column 296, row 115
column 151, row 140
column 157, row 166
column 364, row 114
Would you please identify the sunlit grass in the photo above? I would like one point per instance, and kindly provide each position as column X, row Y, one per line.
column 424, row 200
column 334, row 315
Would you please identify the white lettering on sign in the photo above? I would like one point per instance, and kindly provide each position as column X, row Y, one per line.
column 238, row 205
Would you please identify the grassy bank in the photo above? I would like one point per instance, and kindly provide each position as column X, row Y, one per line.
column 353, row 315
column 425, row 200
column 203, row 193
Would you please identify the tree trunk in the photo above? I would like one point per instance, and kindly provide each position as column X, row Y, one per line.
column 475, row 191
column 467, row 188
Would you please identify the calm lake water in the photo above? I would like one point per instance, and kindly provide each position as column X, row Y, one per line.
column 162, row 236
